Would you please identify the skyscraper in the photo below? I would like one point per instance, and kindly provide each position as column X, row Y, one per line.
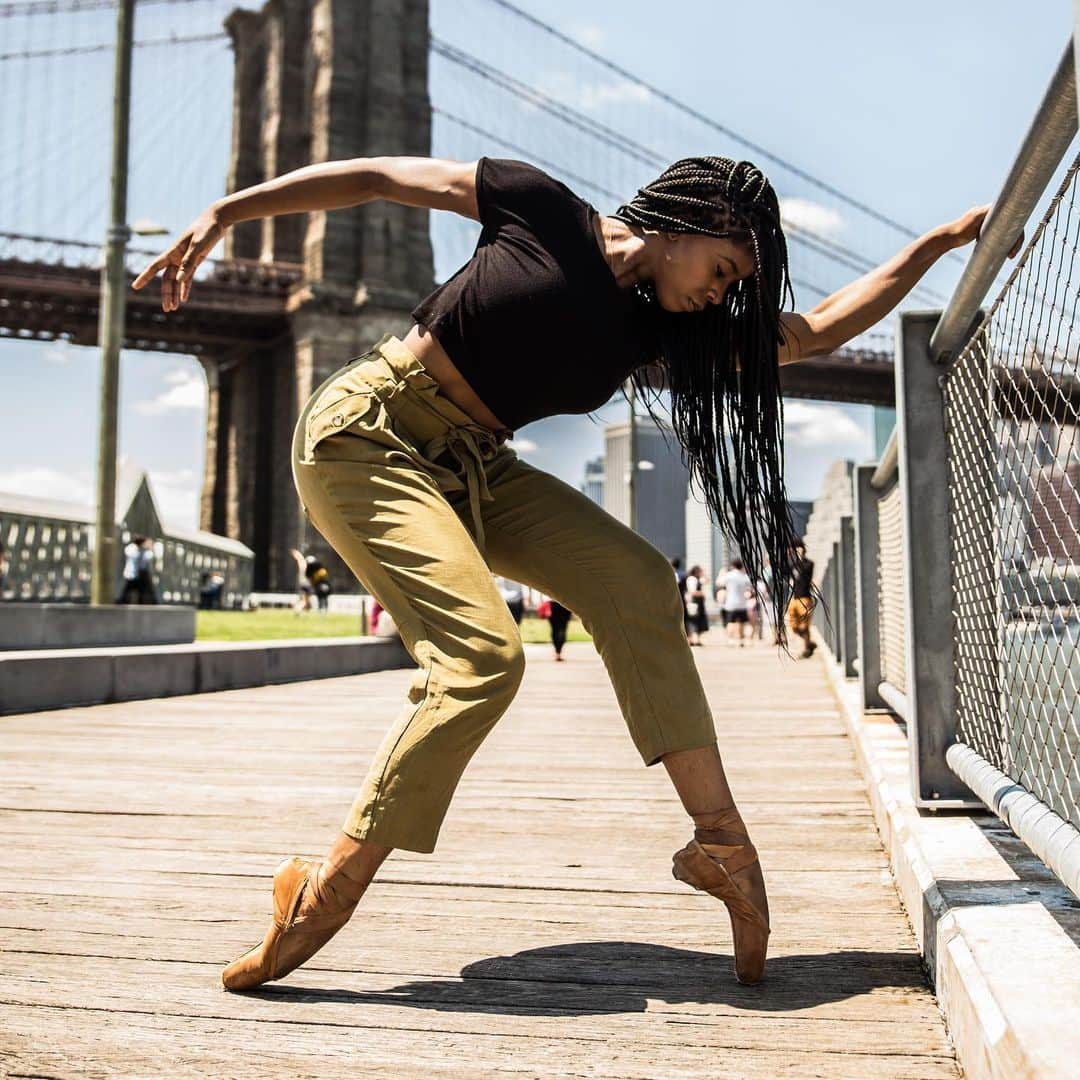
column 661, row 483
column 593, row 484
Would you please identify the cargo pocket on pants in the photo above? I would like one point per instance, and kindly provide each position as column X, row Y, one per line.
column 335, row 412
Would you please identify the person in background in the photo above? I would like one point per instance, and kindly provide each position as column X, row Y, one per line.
column 513, row 595
column 211, row 586
column 680, row 574
column 5, row 569
column 697, row 621
column 559, row 618
column 303, row 586
column 801, row 605
column 761, row 612
column 735, row 603
column 129, row 593
column 145, row 576
column 680, row 578
column 319, row 579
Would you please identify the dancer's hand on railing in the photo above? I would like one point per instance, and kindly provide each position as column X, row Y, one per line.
column 181, row 260
column 968, row 226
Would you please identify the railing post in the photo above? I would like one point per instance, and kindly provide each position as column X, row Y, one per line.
column 835, row 600
column 931, row 689
column 846, row 624
column 867, row 548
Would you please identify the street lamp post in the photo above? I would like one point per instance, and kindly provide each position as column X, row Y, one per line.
column 111, row 316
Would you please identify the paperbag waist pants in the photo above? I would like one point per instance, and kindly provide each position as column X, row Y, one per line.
column 424, row 504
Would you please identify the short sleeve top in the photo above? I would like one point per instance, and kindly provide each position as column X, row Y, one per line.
column 535, row 321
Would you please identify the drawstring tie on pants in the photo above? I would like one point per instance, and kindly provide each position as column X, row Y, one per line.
column 470, row 447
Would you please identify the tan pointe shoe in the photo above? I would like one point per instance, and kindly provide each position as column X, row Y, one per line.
column 719, row 850
column 307, row 915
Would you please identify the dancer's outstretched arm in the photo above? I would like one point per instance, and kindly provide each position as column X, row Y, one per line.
column 858, row 306
column 434, row 183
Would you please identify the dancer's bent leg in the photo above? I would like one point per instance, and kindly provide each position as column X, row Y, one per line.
column 398, row 534
column 546, row 534
column 394, row 528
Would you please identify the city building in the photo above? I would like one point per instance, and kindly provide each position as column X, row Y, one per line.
column 661, row 487
column 50, row 543
column 709, row 547
column 593, row 484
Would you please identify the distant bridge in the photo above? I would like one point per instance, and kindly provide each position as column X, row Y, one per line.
column 49, row 289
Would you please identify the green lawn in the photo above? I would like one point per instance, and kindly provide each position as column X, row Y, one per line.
column 275, row 624
column 271, row 623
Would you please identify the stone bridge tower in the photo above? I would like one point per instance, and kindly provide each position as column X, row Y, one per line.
column 315, row 80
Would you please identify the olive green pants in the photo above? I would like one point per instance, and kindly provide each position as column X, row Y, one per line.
column 424, row 505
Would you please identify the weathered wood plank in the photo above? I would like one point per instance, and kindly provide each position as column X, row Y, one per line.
column 139, row 840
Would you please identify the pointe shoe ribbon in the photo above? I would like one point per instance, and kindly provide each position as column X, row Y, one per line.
column 302, row 928
column 719, row 850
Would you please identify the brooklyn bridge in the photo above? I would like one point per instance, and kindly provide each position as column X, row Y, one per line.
column 292, row 298
column 912, row 782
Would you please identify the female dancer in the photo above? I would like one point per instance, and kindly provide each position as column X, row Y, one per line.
column 401, row 454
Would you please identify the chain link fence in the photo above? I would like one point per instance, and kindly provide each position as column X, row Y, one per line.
column 1012, row 410
column 891, row 596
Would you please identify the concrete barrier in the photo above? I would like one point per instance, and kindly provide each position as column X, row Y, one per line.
column 996, row 928
column 91, row 626
column 33, row 680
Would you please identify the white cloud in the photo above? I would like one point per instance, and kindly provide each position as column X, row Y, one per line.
column 177, row 494
column 41, row 482
column 620, row 93
column 186, row 390
column 807, row 425
column 812, row 216
column 589, row 34
column 563, row 86
column 522, row 446
column 176, row 491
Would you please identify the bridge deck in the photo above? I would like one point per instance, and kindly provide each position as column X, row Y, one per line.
column 545, row 937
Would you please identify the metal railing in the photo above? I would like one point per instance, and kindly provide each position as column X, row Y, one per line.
column 967, row 532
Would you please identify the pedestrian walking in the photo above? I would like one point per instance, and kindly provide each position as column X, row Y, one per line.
column 761, row 623
column 800, row 607
column 697, row 620
column 138, row 572
column 402, row 464
column 514, row 596
column 304, row 590
column 211, row 587
column 313, row 580
column 318, row 578
column 559, row 617
column 735, row 595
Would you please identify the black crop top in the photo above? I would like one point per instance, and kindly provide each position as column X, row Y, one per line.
column 535, row 320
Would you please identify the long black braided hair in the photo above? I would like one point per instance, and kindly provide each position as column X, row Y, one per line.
column 722, row 363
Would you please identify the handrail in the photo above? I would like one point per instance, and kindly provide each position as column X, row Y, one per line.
column 1045, row 144
column 888, row 466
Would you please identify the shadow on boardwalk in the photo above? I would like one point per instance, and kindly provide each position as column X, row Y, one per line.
column 592, row 977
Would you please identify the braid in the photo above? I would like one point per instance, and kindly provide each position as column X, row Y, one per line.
column 721, row 363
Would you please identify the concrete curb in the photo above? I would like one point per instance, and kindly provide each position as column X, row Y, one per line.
column 997, row 930
column 26, row 626
column 56, row 678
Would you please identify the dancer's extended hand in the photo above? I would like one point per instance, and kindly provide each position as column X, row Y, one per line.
column 182, row 259
column 968, row 226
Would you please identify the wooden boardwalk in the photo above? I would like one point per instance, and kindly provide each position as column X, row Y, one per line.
column 544, row 938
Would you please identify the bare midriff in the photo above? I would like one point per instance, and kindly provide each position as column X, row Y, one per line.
column 423, row 345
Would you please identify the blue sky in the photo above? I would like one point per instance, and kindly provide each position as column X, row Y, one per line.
column 917, row 111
